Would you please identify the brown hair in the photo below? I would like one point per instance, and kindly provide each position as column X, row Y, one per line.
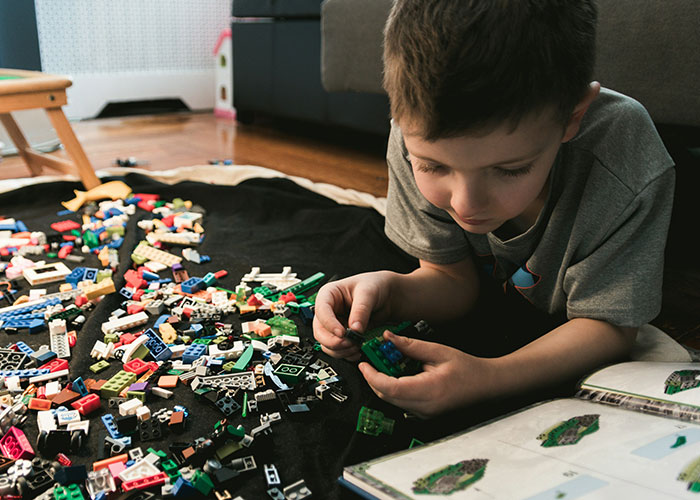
column 459, row 66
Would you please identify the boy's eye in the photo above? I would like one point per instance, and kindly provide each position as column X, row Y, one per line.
column 427, row 169
column 513, row 172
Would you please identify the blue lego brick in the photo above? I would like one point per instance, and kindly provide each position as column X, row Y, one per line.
column 44, row 357
column 111, row 425
column 391, row 352
column 79, row 386
column 193, row 352
column 76, row 276
column 33, row 325
column 28, row 309
column 21, row 228
column 192, row 285
column 161, row 319
column 158, row 349
column 90, row 274
column 26, row 373
column 149, row 276
column 8, row 226
column 61, row 213
column 126, row 293
column 24, row 348
column 116, row 243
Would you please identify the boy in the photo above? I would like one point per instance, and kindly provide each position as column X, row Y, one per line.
column 506, row 162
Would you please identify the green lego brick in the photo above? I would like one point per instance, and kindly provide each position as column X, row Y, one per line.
column 140, row 395
column 404, row 366
column 242, row 363
column 160, row 453
column 117, row 384
column 289, row 373
column 110, row 337
column 202, row 483
column 282, row 326
column 70, row 492
column 373, row 423
column 302, row 286
column 141, row 352
column 103, row 274
column 99, row 366
column 171, row 469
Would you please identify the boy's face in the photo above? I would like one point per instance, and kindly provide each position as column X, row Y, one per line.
column 483, row 181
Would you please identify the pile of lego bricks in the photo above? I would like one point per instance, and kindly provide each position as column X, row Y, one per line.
column 137, row 364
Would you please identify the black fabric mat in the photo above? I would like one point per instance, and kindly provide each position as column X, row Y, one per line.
column 269, row 224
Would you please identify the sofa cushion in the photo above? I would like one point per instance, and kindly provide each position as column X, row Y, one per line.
column 277, row 8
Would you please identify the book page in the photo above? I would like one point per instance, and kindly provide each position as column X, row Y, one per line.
column 669, row 384
column 563, row 449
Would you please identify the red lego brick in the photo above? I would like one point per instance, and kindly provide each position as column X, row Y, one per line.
column 64, row 460
column 87, row 404
column 55, row 365
column 145, row 482
column 14, row 444
column 65, row 225
column 137, row 366
column 134, row 308
column 133, row 279
column 65, row 251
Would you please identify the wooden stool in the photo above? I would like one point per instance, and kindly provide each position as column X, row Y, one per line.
column 33, row 89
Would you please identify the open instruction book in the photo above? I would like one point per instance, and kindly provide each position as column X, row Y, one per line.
column 632, row 431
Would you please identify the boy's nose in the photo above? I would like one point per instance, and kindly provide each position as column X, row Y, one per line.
column 468, row 201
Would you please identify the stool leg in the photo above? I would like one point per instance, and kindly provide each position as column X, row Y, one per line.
column 20, row 141
column 75, row 150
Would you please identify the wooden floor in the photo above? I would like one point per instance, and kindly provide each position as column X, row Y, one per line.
column 344, row 158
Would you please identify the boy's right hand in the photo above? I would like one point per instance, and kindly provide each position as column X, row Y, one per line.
column 355, row 298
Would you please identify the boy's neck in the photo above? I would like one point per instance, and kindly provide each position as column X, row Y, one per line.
column 520, row 224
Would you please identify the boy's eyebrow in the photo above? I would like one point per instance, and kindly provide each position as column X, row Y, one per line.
column 497, row 164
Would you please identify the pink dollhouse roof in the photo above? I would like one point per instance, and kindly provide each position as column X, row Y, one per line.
column 223, row 36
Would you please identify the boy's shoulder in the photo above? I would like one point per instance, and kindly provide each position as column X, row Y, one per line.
column 618, row 131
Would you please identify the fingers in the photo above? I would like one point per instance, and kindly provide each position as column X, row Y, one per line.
column 427, row 352
column 405, row 392
column 364, row 301
column 328, row 302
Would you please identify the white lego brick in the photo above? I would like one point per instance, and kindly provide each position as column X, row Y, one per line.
column 141, row 468
column 143, row 413
column 83, row 425
column 129, row 407
column 47, row 273
column 127, row 351
column 177, row 351
column 46, row 421
column 52, row 388
column 68, row 416
column 155, row 267
column 125, row 322
column 161, row 392
column 13, row 384
column 59, row 344
column 259, row 345
column 46, row 377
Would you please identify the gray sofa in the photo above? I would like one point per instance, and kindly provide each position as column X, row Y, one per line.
column 647, row 49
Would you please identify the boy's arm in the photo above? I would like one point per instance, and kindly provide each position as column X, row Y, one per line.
column 451, row 378
column 436, row 292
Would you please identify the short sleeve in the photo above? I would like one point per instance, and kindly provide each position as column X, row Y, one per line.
column 414, row 224
column 620, row 281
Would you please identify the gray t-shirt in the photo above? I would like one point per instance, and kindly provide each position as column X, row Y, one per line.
column 597, row 248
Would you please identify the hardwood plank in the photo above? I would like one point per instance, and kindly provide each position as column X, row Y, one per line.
column 344, row 158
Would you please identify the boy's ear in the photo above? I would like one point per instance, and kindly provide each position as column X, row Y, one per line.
column 579, row 111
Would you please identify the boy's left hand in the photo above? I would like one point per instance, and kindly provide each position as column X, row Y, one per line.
column 450, row 378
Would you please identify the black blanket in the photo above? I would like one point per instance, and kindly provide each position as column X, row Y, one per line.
column 270, row 224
